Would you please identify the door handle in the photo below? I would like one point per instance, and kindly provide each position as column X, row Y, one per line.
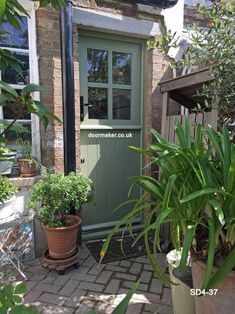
column 82, row 108
column 82, row 160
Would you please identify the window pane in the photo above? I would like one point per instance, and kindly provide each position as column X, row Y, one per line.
column 97, row 65
column 16, row 38
column 14, row 110
column 121, row 104
column 13, row 136
column 98, row 103
column 122, row 68
column 12, row 77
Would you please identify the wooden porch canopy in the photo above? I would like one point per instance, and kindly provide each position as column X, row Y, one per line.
column 184, row 90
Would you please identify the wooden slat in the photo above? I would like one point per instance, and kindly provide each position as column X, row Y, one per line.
column 185, row 81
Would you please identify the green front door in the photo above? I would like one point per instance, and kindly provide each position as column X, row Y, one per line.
column 110, row 84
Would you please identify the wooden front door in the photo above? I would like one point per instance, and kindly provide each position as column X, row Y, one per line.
column 110, row 88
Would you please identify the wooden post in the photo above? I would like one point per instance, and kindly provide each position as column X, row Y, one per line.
column 165, row 102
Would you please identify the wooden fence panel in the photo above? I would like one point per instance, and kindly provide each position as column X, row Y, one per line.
column 168, row 131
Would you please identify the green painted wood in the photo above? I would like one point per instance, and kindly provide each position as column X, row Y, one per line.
column 108, row 160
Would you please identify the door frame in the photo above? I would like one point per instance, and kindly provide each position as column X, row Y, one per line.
column 99, row 233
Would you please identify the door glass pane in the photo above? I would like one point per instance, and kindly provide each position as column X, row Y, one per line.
column 121, row 104
column 16, row 38
column 97, row 65
column 122, row 68
column 12, row 77
column 98, row 103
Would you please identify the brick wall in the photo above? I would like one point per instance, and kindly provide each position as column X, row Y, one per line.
column 48, row 44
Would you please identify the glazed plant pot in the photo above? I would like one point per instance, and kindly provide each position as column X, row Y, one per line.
column 27, row 167
column 62, row 241
column 7, row 208
column 7, row 164
column 216, row 301
column 182, row 301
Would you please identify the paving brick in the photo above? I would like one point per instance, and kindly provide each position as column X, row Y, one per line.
column 158, row 308
column 166, row 297
column 69, row 287
column 148, row 267
column 135, row 308
column 143, row 260
column 129, row 284
column 52, row 299
column 84, row 277
column 37, row 277
column 115, row 263
column 89, row 262
column 61, row 280
column 91, row 286
column 135, row 268
column 104, row 276
column 125, row 264
column 96, row 269
column 32, row 296
column 100, row 297
column 84, row 252
column 82, row 269
column 30, row 284
column 156, row 286
column 146, row 276
column 86, row 305
column 104, row 308
column 49, row 279
column 116, row 268
column 52, row 309
column 113, row 286
column 126, row 276
column 47, row 287
column 76, row 298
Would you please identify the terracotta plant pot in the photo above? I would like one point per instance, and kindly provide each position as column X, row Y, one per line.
column 222, row 301
column 27, row 167
column 62, row 241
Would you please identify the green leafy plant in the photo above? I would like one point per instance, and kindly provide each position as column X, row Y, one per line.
column 212, row 48
column 7, row 190
column 58, row 195
column 11, row 300
column 194, row 194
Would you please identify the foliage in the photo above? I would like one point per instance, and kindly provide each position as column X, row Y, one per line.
column 214, row 48
column 7, row 190
column 194, row 194
column 59, row 195
column 123, row 305
column 11, row 300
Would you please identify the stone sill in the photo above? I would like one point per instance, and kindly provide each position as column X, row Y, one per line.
column 20, row 182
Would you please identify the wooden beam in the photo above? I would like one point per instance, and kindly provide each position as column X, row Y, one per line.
column 165, row 102
column 185, row 81
column 182, row 99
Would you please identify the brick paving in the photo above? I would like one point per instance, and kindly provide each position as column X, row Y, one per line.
column 94, row 287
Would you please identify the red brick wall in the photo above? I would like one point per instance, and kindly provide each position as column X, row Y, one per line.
column 48, row 45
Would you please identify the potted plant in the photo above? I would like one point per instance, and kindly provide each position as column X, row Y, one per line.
column 195, row 195
column 28, row 164
column 7, row 197
column 60, row 199
column 7, row 158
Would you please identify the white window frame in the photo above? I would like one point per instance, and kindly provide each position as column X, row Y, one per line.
column 33, row 75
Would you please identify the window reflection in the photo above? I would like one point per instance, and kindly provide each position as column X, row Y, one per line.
column 121, row 104
column 12, row 77
column 98, row 103
column 122, row 68
column 17, row 38
column 97, row 65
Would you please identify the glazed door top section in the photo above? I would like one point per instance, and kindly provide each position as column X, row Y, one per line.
column 110, row 82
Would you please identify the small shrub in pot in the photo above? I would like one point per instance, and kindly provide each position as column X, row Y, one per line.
column 58, row 199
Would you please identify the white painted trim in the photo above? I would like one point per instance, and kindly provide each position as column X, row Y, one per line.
column 115, row 23
column 34, row 76
column 107, row 127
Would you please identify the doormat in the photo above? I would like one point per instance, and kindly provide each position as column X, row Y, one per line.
column 115, row 252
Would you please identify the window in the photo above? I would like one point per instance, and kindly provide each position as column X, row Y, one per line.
column 23, row 44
